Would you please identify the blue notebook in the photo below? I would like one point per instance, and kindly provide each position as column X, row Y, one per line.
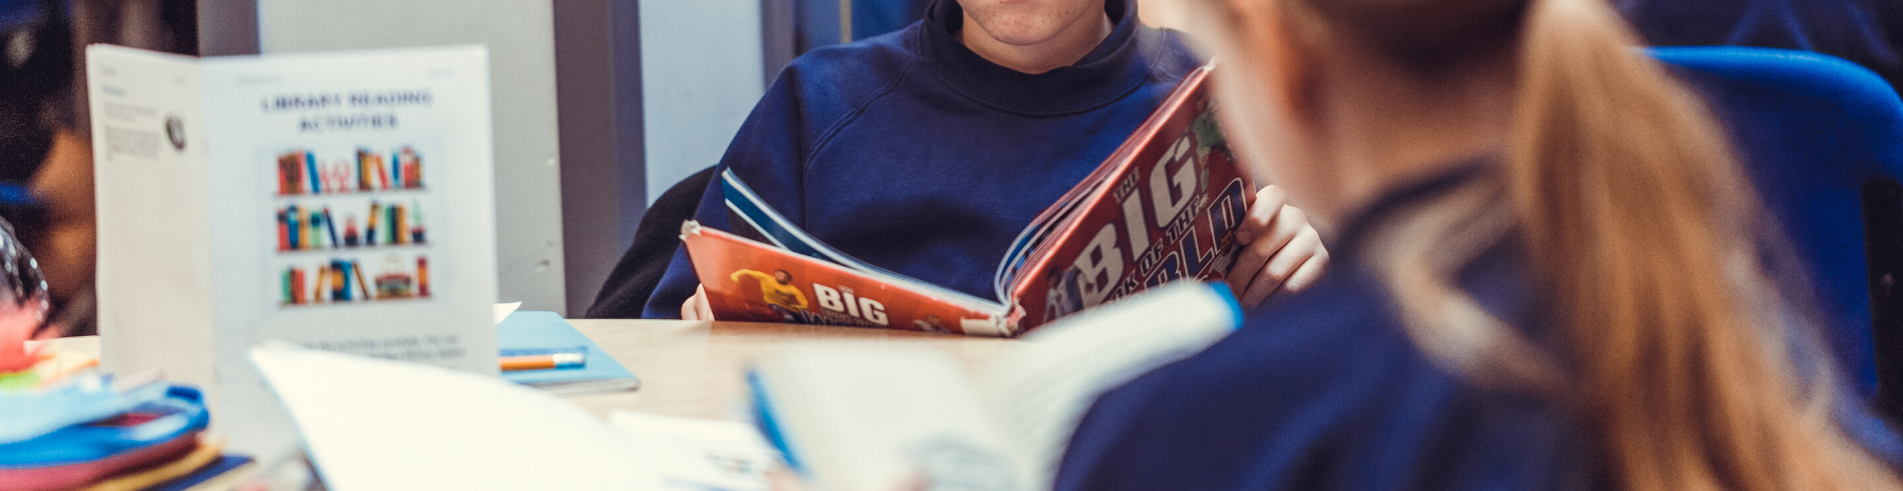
column 539, row 332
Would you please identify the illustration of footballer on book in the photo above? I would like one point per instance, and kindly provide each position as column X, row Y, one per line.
column 777, row 292
column 350, row 224
column 1165, row 206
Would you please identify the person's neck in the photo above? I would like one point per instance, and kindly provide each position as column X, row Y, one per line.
column 1383, row 125
column 1064, row 49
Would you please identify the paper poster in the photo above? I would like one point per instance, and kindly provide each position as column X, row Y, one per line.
column 338, row 201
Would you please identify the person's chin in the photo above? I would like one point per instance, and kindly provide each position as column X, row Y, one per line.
column 1022, row 36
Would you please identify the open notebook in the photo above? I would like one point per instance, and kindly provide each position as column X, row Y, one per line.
column 873, row 420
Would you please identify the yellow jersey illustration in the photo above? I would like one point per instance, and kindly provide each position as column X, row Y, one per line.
column 777, row 288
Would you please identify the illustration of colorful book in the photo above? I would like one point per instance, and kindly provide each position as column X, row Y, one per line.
column 317, row 230
column 396, row 172
column 416, row 222
column 294, row 226
column 363, row 170
column 339, row 290
column 370, row 230
column 330, row 225
column 297, row 285
column 397, row 220
column 356, row 269
column 310, row 166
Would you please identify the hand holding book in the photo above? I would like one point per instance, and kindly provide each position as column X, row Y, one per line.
column 696, row 307
column 1281, row 251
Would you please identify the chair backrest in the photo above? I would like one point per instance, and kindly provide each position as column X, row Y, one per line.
column 1814, row 131
column 640, row 269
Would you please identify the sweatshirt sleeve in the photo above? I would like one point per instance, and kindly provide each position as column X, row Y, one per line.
column 769, row 154
column 1318, row 404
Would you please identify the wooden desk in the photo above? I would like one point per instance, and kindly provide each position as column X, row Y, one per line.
column 696, row 369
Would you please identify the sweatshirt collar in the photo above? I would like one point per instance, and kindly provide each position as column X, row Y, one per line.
column 1117, row 67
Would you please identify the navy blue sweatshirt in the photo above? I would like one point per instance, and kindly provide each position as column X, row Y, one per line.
column 1328, row 392
column 911, row 152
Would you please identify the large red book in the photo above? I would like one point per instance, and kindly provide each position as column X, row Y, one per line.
column 1164, row 206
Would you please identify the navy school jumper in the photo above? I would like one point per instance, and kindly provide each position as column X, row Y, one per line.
column 911, row 152
column 1327, row 391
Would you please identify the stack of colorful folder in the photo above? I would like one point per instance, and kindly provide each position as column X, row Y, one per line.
column 82, row 432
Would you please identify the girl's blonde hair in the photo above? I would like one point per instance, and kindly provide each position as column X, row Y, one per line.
column 1642, row 231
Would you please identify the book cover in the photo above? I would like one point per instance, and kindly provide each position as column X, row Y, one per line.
column 540, row 332
column 233, row 207
column 1164, row 206
column 751, row 281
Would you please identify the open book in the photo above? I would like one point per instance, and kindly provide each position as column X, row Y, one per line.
column 865, row 420
column 1165, row 205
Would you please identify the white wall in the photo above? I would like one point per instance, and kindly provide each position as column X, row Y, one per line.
column 521, row 43
column 701, row 74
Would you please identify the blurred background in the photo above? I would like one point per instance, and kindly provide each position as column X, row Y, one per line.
column 599, row 105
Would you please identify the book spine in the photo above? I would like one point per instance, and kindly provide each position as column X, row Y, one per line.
column 414, row 168
column 356, row 269
column 363, row 174
column 294, row 227
column 416, row 222
column 310, row 165
column 370, row 230
column 297, row 285
column 317, row 230
column 383, row 174
column 422, row 276
column 339, row 292
column 399, row 220
column 284, row 178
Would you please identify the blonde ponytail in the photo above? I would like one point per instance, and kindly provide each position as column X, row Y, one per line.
column 1641, row 225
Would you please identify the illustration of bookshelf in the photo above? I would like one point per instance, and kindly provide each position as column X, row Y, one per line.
column 350, row 227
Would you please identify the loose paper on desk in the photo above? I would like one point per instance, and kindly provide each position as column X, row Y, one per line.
column 700, row 454
column 373, row 424
column 504, row 309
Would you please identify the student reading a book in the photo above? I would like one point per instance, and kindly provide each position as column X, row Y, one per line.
column 927, row 150
column 1551, row 273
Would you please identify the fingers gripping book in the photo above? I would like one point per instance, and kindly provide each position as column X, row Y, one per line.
column 1164, row 206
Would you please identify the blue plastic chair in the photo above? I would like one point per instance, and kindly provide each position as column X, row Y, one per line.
column 1820, row 136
